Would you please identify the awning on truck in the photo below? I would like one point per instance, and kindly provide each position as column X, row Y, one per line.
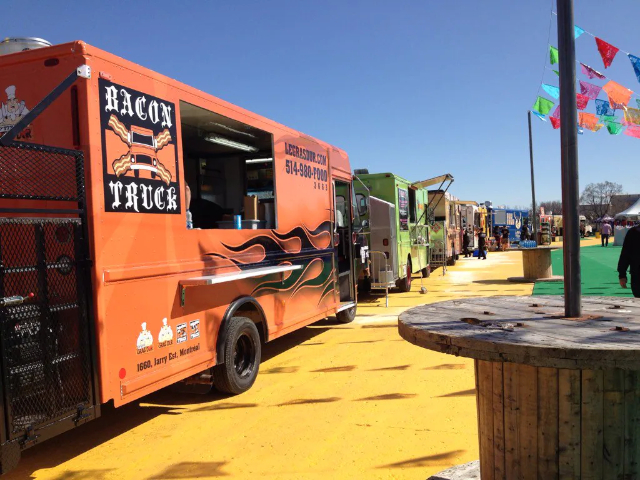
column 447, row 177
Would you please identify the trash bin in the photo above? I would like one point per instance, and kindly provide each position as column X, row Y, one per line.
column 597, row 234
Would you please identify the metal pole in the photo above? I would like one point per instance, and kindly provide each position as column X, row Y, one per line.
column 533, row 185
column 569, row 159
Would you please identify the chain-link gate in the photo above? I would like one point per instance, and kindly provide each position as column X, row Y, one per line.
column 45, row 331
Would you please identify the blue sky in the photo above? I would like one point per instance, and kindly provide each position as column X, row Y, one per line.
column 418, row 88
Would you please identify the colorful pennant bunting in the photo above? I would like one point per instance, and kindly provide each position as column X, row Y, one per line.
column 609, row 119
column 631, row 116
column 619, row 96
column 581, row 101
column 604, row 108
column 590, row 72
column 543, row 105
column 635, row 63
column 588, row 121
column 614, row 128
column 580, row 130
column 555, row 122
column 552, row 90
column 589, row 89
column 607, row 51
column 556, row 112
column 553, row 55
column 556, row 72
column 540, row 116
column 633, row 131
column 577, row 31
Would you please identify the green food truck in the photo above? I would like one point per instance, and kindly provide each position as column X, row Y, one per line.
column 394, row 212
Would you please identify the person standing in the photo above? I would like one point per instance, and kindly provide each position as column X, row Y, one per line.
column 482, row 245
column 604, row 233
column 504, row 242
column 630, row 259
column 466, row 240
column 524, row 232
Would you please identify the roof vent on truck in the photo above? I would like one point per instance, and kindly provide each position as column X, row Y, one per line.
column 13, row 44
column 361, row 171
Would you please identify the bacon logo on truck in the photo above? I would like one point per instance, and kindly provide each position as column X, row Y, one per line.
column 140, row 159
column 143, row 147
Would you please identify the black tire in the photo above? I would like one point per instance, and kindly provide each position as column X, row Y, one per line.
column 240, row 358
column 404, row 284
column 451, row 261
column 346, row 316
column 364, row 285
column 426, row 272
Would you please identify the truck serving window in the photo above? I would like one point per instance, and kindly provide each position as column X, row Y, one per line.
column 228, row 166
column 412, row 205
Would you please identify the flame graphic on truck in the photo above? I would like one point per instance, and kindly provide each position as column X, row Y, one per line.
column 143, row 149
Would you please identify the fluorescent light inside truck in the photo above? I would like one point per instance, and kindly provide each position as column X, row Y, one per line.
column 259, row 160
column 230, row 143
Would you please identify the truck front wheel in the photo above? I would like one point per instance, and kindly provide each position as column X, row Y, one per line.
column 241, row 357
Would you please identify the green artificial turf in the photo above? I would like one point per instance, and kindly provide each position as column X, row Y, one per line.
column 599, row 276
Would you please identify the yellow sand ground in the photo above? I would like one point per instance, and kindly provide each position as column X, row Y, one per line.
column 331, row 401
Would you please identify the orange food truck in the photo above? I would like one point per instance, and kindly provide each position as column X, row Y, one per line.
column 149, row 234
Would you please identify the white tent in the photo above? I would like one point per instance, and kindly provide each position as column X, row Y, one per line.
column 632, row 213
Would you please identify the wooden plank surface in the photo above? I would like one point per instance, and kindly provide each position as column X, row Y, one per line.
column 592, row 425
column 543, row 340
column 484, row 392
column 547, row 423
column 632, row 425
column 528, row 417
column 569, row 405
column 511, row 421
column 498, row 421
column 613, row 406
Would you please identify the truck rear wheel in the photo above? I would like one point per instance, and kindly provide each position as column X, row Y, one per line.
column 404, row 284
column 241, row 357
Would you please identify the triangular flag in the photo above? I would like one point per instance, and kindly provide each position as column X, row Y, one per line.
column 635, row 63
column 577, row 31
column 604, row 108
column 589, row 89
column 631, row 116
column 607, row 51
column 581, row 101
column 556, row 112
column 590, row 72
column 540, row 116
column 597, row 127
column 609, row 119
column 633, row 131
column 556, row 72
column 614, row 128
column 553, row 55
column 552, row 90
column 555, row 122
column 543, row 105
column 588, row 120
column 618, row 95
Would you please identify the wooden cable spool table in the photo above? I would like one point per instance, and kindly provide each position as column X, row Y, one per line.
column 557, row 398
column 536, row 264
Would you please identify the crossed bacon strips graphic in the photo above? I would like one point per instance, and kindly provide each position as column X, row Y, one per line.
column 129, row 161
